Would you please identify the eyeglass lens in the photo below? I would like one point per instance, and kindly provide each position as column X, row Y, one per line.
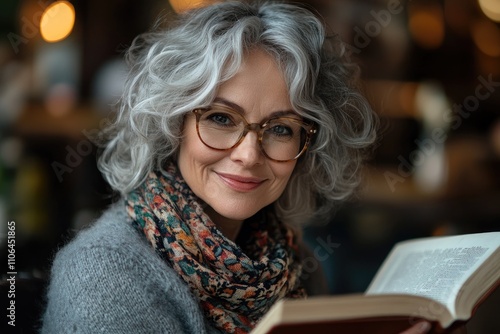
column 281, row 138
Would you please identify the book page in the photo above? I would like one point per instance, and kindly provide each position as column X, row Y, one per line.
column 434, row 267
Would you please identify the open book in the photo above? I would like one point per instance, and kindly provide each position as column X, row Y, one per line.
column 440, row 279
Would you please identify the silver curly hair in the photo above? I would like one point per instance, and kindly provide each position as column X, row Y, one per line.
column 177, row 69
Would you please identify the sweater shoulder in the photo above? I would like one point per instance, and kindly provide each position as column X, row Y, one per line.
column 111, row 229
column 111, row 244
column 109, row 277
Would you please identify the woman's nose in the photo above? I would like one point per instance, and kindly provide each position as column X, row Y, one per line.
column 248, row 152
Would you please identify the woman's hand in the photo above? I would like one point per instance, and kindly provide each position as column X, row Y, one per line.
column 424, row 327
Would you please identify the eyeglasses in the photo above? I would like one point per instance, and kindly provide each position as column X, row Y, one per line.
column 281, row 139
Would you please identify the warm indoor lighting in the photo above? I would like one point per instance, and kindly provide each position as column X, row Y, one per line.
column 486, row 36
column 491, row 8
column 57, row 21
column 427, row 26
column 183, row 5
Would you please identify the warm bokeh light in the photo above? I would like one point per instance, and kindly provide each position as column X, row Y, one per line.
column 486, row 36
column 427, row 26
column 407, row 93
column 491, row 8
column 57, row 21
column 183, row 5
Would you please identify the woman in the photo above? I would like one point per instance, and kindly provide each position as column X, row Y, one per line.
column 236, row 125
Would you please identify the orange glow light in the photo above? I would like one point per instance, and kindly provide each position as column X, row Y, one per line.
column 57, row 21
column 486, row 36
column 183, row 5
column 427, row 26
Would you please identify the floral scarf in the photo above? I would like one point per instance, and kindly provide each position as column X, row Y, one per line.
column 235, row 284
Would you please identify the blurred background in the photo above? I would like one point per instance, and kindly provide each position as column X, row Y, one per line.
column 431, row 69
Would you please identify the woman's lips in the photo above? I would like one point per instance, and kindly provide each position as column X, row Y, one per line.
column 241, row 183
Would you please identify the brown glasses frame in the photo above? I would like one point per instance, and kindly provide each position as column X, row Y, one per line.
column 257, row 128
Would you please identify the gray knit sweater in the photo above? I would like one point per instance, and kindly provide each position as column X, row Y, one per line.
column 110, row 280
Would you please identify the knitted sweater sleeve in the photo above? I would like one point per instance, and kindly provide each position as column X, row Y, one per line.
column 108, row 280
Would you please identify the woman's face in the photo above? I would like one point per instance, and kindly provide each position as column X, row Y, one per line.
column 237, row 183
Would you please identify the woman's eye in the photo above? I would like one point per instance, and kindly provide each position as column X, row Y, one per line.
column 221, row 119
column 282, row 130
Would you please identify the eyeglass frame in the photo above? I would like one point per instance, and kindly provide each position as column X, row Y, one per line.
column 258, row 128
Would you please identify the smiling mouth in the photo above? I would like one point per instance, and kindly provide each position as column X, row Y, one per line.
column 240, row 183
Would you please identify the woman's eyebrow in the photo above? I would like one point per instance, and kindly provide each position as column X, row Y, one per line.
column 239, row 109
column 229, row 104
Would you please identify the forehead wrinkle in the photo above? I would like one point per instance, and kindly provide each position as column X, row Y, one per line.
column 241, row 110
